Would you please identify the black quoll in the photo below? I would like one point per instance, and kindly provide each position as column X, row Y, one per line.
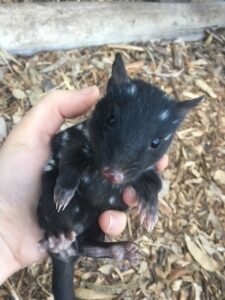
column 91, row 163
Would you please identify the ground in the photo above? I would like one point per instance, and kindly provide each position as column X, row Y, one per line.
column 183, row 258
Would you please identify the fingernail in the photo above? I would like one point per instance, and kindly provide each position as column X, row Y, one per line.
column 87, row 90
column 112, row 223
column 132, row 192
column 130, row 196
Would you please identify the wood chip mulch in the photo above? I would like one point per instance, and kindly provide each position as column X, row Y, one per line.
column 183, row 258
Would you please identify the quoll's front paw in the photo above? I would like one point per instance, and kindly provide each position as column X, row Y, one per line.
column 148, row 214
column 61, row 245
column 62, row 197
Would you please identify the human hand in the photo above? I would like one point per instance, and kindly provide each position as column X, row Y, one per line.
column 22, row 158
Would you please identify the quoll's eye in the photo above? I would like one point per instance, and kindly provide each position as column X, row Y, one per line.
column 155, row 143
column 110, row 119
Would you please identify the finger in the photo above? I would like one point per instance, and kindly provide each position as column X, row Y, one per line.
column 162, row 163
column 43, row 120
column 113, row 222
column 130, row 197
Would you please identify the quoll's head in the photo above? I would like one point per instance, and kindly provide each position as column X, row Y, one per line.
column 133, row 125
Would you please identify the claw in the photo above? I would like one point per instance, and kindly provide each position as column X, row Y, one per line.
column 148, row 215
column 142, row 216
column 59, row 207
column 72, row 236
column 140, row 207
column 62, row 237
column 150, row 222
column 65, row 205
column 62, row 197
column 51, row 242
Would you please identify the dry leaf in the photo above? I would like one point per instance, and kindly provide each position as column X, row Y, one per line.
column 165, row 188
column 7, row 56
column 204, row 243
column 205, row 87
column 2, row 72
column 18, row 94
column 143, row 267
column 87, row 294
column 126, row 47
column 215, row 190
column 199, row 62
column 165, row 209
column 56, row 65
column 204, row 260
column 219, row 177
column 189, row 95
column 135, row 65
column 215, row 221
column 176, row 285
column 198, row 291
column 178, row 60
column 35, row 95
column 106, row 269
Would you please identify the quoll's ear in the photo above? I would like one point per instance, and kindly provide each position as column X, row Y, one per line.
column 119, row 73
column 183, row 107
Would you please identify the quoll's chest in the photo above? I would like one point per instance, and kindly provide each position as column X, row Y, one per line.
column 94, row 191
column 99, row 193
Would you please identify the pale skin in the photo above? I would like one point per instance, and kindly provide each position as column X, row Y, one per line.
column 22, row 158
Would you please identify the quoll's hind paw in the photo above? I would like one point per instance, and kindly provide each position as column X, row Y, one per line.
column 148, row 215
column 126, row 250
column 62, row 197
column 61, row 245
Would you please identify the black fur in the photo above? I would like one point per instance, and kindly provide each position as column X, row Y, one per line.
column 91, row 164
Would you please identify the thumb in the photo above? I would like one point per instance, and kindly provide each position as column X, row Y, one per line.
column 113, row 222
column 44, row 119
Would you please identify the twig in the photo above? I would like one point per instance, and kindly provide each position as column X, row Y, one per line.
column 167, row 75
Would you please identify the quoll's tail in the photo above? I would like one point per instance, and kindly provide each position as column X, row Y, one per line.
column 62, row 279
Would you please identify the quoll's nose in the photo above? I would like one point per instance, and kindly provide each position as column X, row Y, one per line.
column 113, row 176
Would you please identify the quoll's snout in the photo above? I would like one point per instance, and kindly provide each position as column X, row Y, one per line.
column 113, row 176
